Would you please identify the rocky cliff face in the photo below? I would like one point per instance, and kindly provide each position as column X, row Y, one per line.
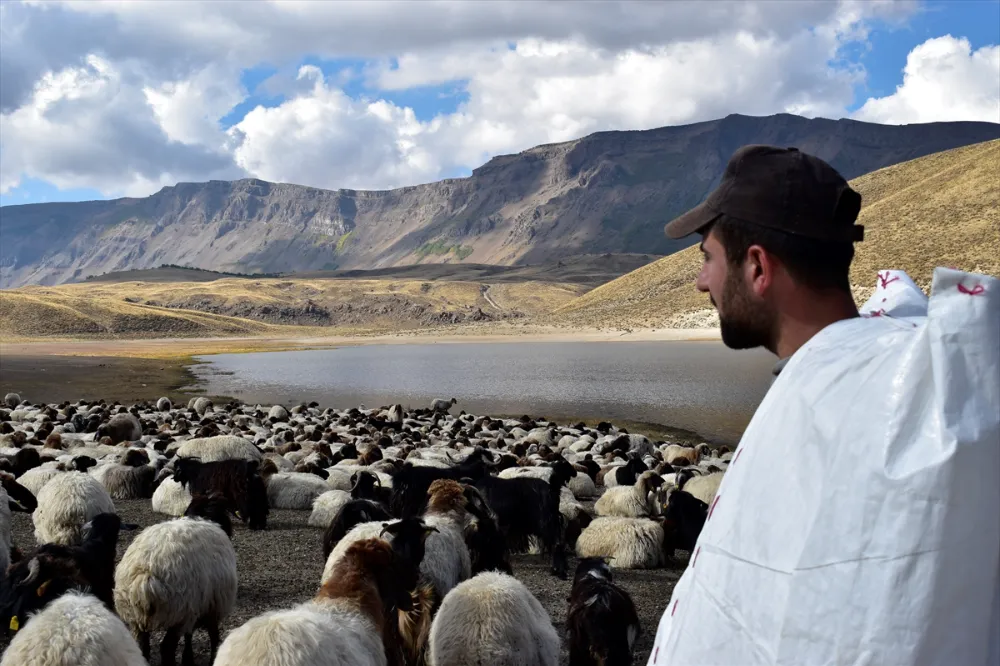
column 608, row 192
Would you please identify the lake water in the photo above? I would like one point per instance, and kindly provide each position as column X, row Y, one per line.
column 698, row 386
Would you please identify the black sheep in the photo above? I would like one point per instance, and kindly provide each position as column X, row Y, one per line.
column 683, row 521
column 238, row 481
column 19, row 498
column 602, row 625
column 353, row 513
column 530, row 507
column 51, row 570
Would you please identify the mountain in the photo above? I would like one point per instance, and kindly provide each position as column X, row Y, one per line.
column 607, row 192
column 939, row 210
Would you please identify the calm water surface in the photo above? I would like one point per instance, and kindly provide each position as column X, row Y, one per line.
column 699, row 386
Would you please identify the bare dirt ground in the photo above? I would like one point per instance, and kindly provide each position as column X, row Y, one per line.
column 282, row 566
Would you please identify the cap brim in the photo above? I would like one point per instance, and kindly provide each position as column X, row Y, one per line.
column 691, row 222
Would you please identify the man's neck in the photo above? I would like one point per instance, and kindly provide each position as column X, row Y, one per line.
column 799, row 325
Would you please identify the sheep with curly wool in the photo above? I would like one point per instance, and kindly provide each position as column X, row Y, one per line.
column 220, row 447
column 492, row 619
column 74, row 629
column 65, row 504
column 635, row 501
column 326, row 506
column 176, row 576
column 171, row 498
column 446, row 561
column 629, row 543
column 705, row 487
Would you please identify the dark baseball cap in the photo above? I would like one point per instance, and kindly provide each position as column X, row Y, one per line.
column 783, row 189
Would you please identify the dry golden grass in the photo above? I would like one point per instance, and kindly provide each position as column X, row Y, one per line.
column 939, row 210
column 266, row 307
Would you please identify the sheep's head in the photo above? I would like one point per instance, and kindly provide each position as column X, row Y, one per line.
column 408, row 538
column 34, row 582
column 18, row 497
column 135, row 458
column 364, row 485
column 593, row 567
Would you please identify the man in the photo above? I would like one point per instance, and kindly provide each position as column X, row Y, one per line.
column 817, row 549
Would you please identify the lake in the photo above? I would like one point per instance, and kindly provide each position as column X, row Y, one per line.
column 698, row 386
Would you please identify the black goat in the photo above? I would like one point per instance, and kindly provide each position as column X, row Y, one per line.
column 410, row 484
column 683, row 521
column 211, row 507
column 602, row 625
column 487, row 546
column 238, row 481
column 353, row 513
column 366, row 485
column 51, row 570
column 530, row 507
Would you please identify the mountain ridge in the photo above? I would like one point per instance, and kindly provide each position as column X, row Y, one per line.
column 606, row 192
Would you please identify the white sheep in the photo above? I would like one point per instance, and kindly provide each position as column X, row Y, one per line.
column 686, row 455
column 171, row 498
column 201, row 405
column 164, row 404
column 294, row 490
column 312, row 634
column 220, row 447
column 124, row 482
column 176, row 575
column 76, row 629
column 12, row 400
column 34, row 479
column 632, row 543
column 704, row 487
column 492, row 619
column 326, row 507
column 581, row 485
column 631, row 501
column 278, row 413
column 65, row 504
column 442, row 405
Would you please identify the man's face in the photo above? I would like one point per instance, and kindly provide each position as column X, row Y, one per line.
column 745, row 319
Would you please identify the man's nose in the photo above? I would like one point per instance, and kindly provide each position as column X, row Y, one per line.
column 702, row 282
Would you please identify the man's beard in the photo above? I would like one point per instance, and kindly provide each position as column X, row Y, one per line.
column 744, row 324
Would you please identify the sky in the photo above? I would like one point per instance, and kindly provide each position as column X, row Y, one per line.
column 118, row 98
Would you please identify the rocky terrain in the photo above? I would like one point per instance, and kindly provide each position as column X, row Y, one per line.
column 939, row 210
column 607, row 192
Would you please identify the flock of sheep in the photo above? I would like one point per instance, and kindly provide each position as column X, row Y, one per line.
column 420, row 511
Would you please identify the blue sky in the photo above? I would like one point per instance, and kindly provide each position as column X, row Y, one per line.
column 97, row 106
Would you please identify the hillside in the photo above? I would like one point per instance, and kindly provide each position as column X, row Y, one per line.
column 268, row 307
column 939, row 210
column 607, row 192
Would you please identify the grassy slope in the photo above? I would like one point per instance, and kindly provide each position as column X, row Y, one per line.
column 939, row 210
column 247, row 307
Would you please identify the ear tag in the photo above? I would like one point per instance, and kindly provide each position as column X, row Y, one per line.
column 44, row 586
column 14, row 624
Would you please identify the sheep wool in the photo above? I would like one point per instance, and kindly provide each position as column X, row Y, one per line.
column 704, row 487
column 629, row 501
column 175, row 573
column 202, row 405
column 171, row 498
column 294, row 490
column 74, row 629
column 326, row 507
column 221, row 447
column 35, row 479
column 124, row 482
column 12, row 400
column 330, row 633
column 492, row 619
column 67, row 502
column 632, row 543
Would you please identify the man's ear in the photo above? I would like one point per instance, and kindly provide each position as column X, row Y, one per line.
column 759, row 270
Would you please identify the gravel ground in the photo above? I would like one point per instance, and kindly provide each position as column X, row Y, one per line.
column 282, row 566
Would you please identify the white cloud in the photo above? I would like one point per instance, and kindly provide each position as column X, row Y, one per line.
column 125, row 97
column 944, row 79
column 90, row 126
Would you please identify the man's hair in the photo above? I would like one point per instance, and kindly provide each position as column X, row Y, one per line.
column 817, row 264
